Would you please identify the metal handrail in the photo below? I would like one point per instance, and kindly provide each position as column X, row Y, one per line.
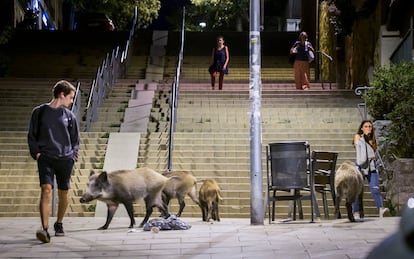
column 174, row 96
column 76, row 106
column 362, row 90
column 106, row 76
column 330, row 60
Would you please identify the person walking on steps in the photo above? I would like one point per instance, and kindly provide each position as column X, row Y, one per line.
column 302, row 49
column 366, row 146
column 53, row 140
column 219, row 62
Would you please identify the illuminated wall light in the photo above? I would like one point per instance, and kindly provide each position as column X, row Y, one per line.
column 44, row 19
column 36, row 5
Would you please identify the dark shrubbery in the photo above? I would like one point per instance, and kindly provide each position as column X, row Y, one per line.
column 391, row 97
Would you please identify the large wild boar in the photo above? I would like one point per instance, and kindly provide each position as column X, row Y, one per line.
column 180, row 184
column 349, row 184
column 127, row 186
column 210, row 196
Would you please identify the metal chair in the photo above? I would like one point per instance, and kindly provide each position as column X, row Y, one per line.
column 288, row 170
column 323, row 167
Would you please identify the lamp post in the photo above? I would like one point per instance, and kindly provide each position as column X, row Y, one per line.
column 256, row 178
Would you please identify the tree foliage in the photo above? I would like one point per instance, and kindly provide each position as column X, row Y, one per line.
column 219, row 14
column 122, row 11
column 391, row 97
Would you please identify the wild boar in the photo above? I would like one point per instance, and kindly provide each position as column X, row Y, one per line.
column 210, row 196
column 180, row 184
column 349, row 184
column 127, row 186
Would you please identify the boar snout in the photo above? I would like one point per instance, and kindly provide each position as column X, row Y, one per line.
column 86, row 198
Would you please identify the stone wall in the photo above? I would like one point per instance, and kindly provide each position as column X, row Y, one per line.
column 397, row 175
column 400, row 185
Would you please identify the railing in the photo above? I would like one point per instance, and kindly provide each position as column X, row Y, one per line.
column 174, row 96
column 404, row 50
column 111, row 69
column 362, row 107
column 321, row 53
column 76, row 106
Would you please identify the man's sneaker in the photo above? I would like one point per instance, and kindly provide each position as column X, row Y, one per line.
column 59, row 229
column 43, row 236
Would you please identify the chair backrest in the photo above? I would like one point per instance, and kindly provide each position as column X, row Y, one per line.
column 289, row 165
column 323, row 166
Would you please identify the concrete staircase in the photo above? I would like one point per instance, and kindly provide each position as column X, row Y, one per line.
column 35, row 68
column 274, row 69
column 19, row 184
column 212, row 137
column 212, row 134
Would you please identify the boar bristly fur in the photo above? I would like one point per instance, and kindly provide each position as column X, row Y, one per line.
column 180, row 184
column 349, row 184
column 210, row 196
column 127, row 186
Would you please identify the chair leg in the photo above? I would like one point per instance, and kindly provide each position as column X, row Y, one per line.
column 316, row 207
column 325, row 205
column 268, row 209
column 300, row 208
column 294, row 209
column 273, row 205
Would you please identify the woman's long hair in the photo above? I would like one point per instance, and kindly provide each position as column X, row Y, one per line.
column 370, row 138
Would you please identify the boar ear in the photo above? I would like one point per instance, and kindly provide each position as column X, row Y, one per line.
column 91, row 173
column 103, row 176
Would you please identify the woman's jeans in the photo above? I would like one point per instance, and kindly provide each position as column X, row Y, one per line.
column 374, row 187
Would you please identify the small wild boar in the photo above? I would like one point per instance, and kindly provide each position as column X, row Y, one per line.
column 349, row 184
column 180, row 184
column 210, row 196
column 127, row 186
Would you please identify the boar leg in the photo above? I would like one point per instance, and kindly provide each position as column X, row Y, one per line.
column 149, row 203
column 130, row 209
column 203, row 207
column 110, row 214
column 216, row 215
column 361, row 205
column 182, row 205
column 166, row 200
column 210, row 211
column 348, row 205
column 338, row 199
column 164, row 210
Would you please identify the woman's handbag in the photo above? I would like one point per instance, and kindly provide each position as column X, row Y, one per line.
column 292, row 57
column 365, row 165
column 211, row 69
column 311, row 56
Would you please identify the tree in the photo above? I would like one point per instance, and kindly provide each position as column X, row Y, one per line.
column 219, row 14
column 121, row 11
column 356, row 24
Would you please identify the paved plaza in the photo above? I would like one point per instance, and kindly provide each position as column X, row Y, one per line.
column 230, row 238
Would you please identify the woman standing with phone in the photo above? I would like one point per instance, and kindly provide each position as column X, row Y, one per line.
column 366, row 146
